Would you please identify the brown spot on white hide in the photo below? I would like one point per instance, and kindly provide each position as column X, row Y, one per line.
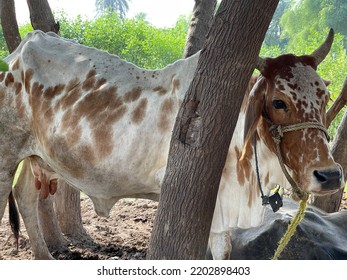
column 139, row 113
column 254, row 192
column 89, row 82
column 27, row 76
column 18, row 99
column 15, row 64
column 57, row 150
column 175, row 85
column 133, row 94
column 243, row 166
column 160, row 90
column 103, row 141
column 9, row 79
column 165, row 116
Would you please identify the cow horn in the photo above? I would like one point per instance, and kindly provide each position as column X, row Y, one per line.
column 320, row 53
column 260, row 64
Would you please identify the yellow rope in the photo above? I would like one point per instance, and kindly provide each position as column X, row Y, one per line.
column 291, row 228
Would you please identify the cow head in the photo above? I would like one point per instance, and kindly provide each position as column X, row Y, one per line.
column 290, row 92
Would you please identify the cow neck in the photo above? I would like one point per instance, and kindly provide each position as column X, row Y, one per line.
column 274, row 200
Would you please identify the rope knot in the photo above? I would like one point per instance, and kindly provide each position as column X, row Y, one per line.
column 277, row 133
column 302, row 195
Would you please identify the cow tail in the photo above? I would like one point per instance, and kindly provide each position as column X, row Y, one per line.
column 14, row 217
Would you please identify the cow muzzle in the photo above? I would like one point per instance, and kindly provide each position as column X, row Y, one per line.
column 330, row 180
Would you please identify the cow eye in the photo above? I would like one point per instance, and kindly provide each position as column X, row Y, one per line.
column 279, row 104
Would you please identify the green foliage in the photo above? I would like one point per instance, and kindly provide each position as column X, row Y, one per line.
column 334, row 12
column 301, row 19
column 25, row 29
column 303, row 16
column 333, row 68
column 304, row 25
column 273, row 37
column 3, row 65
column 3, row 46
column 71, row 29
column 270, row 51
column 135, row 40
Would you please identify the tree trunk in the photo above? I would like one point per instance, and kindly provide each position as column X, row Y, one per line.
column 199, row 25
column 331, row 203
column 9, row 24
column 68, row 211
column 41, row 16
column 338, row 104
column 210, row 110
column 49, row 225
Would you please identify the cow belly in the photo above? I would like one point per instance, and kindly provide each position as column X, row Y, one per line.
column 108, row 178
column 103, row 206
column 116, row 187
column 105, row 190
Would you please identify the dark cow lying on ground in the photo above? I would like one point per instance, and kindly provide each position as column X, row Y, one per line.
column 104, row 125
column 319, row 236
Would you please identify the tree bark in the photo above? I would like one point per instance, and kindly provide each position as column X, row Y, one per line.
column 331, row 203
column 49, row 225
column 9, row 24
column 68, row 211
column 199, row 25
column 41, row 16
column 210, row 110
column 338, row 104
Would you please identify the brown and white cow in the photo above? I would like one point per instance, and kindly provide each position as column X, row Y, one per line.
column 104, row 126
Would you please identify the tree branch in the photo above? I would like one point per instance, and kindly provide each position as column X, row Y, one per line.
column 338, row 104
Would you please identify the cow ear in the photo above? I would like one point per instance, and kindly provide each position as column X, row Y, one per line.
column 254, row 110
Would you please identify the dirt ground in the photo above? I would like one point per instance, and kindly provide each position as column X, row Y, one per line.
column 124, row 235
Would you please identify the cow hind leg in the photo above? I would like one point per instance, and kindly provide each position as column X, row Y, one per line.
column 220, row 245
column 27, row 199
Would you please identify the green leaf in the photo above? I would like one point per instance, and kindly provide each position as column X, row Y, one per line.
column 3, row 65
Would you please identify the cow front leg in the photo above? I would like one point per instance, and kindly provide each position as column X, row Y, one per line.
column 220, row 245
column 27, row 199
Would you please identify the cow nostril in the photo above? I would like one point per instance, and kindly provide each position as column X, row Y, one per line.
column 329, row 179
column 321, row 176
